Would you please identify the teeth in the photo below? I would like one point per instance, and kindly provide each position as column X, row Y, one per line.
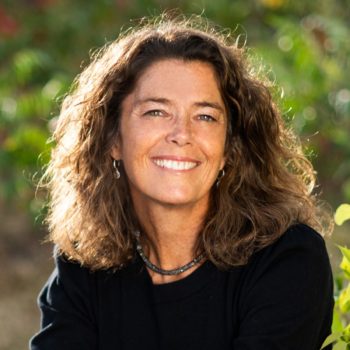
column 174, row 164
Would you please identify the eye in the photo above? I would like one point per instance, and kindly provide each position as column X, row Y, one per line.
column 207, row 118
column 154, row 113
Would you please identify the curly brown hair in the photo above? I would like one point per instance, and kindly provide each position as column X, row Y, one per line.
column 268, row 184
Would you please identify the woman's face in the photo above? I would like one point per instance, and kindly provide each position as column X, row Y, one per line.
column 172, row 134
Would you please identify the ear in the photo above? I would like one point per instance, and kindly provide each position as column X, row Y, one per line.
column 222, row 164
column 116, row 151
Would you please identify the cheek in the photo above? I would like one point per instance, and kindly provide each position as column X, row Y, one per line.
column 220, row 156
column 136, row 149
column 217, row 148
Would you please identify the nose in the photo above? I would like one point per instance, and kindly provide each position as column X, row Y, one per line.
column 181, row 132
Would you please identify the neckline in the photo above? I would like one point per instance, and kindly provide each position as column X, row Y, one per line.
column 183, row 288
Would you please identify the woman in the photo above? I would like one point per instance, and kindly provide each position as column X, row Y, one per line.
column 181, row 206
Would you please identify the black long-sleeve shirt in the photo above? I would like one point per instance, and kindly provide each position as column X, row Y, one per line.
column 281, row 300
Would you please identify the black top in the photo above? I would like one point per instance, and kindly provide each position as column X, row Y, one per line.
column 281, row 300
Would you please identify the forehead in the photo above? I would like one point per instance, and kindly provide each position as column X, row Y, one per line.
column 179, row 77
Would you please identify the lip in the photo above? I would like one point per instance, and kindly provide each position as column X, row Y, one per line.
column 176, row 158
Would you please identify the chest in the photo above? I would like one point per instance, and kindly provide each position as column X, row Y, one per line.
column 133, row 315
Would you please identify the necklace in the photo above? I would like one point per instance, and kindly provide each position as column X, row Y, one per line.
column 159, row 270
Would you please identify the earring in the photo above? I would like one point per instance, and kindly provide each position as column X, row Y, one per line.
column 220, row 176
column 116, row 165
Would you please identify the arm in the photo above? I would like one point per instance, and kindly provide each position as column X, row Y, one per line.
column 287, row 300
column 66, row 308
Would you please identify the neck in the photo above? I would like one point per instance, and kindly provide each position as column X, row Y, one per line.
column 169, row 236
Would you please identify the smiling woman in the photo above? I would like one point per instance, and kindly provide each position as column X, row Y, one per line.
column 172, row 136
column 181, row 205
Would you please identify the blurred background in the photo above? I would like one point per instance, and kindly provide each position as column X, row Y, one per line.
column 43, row 45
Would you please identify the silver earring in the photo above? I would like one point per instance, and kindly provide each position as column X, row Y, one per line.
column 220, row 176
column 116, row 165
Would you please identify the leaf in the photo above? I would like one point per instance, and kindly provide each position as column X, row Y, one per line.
column 340, row 346
column 345, row 252
column 331, row 339
column 342, row 214
column 337, row 325
column 346, row 334
column 345, row 266
column 344, row 300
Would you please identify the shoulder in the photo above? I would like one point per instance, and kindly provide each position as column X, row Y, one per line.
column 69, row 281
column 73, row 274
column 285, row 293
column 301, row 235
column 67, row 268
column 297, row 238
column 295, row 264
column 299, row 254
column 75, row 279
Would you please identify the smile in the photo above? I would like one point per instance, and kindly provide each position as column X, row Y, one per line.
column 175, row 164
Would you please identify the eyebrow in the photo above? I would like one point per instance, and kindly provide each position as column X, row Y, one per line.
column 210, row 104
column 162, row 100
column 152, row 99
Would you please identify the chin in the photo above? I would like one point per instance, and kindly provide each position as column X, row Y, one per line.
column 171, row 196
column 182, row 199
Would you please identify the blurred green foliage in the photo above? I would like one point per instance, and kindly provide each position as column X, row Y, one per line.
column 44, row 44
column 340, row 337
